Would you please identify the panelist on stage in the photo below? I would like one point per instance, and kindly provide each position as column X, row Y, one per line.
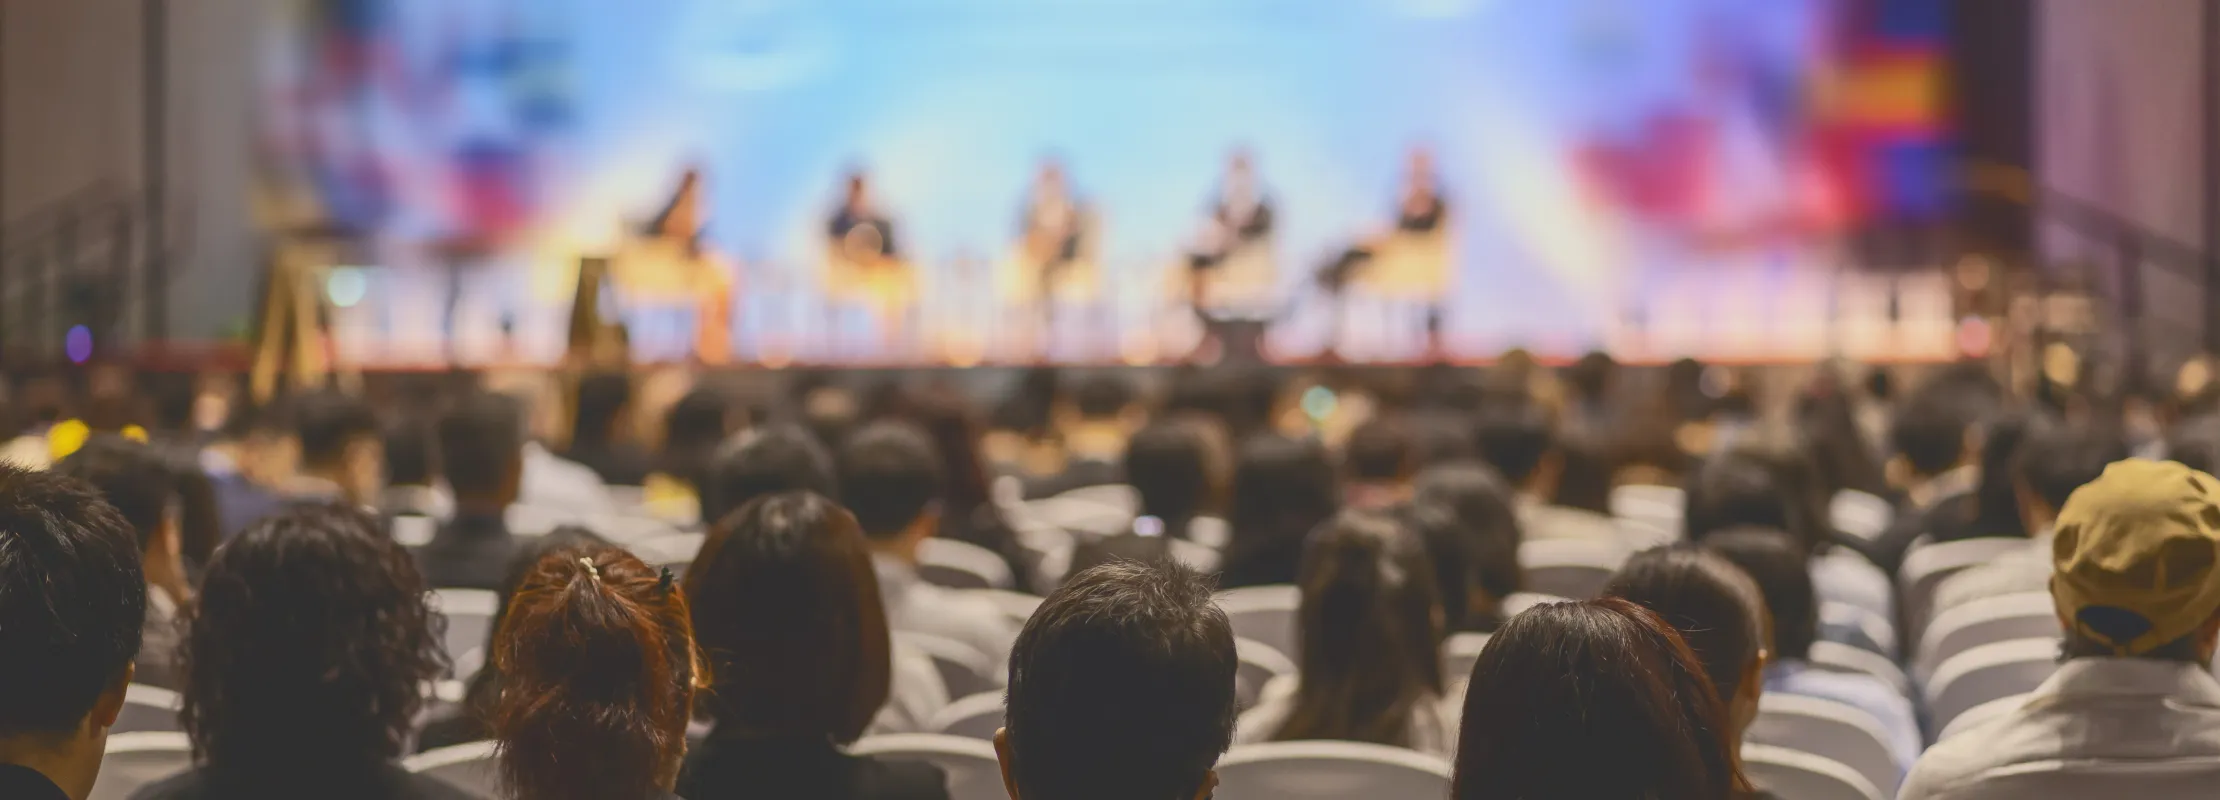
column 1049, row 225
column 864, row 267
column 857, row 228
column 1232, row 265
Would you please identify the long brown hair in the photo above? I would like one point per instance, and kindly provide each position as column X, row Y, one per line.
column 598, row 672
column 1370, row 633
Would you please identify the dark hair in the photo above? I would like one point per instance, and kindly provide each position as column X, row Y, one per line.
column 889, row 477
column 1839, row 450
column 1490, row 531
column 768, row 461
column 1758, row 482
column 1929, row 428
column 1369, row 647
column 1282, row 489
column 1101, row 396
column 327, row 422
column 481, row 444
column 1168, row 465
column 485, row 684
column 1514, row 440
column 409, row 457
column 1449, row 549
column 597, row 653
column 72, row 600
column 2055, row 461
column 1121, row 686
column 1996, row 510
column 955, row 430
column 602, row 398
column 1380, row 450
column 308, row 646
column 1777, row 564
column 1717, row 608
column 693, row 429
column 131, row 476
column 787, row 611
column 1567, row 683
column 1584, row 479
column 2195, row 443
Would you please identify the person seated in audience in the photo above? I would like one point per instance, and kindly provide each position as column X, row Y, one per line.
column 764, row 462
column 599, row 670
column 305, row 663
column 1519, row 443
column 141, row 485
column 481, row 441
column 968, row 513
column 250, row 459
column 550, row 482
column 1592, row 699
column 1480, row 506
column 2053, row 463
column 342, row 451
column 2195, row 443
column 411, row 476
column 1767, row 481
column 1718, row 612
column 1776, row 563
column 1100, row 414
column 1846, row 462
column 1283, row 488
column 693, row 430
column 2133, row 710
column 469, row 722
column 72, row 601
column 890, row 479
column 1169, row 465
column 1994, row 506
column 1370, row 653
column 600, row 436
column 1121, row 686
column 786, row 611
column 1377, row 464
column 1936, row 438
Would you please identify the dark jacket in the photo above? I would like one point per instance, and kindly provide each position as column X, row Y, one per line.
column 472, row 551
column 388, row 782
column 725, row 767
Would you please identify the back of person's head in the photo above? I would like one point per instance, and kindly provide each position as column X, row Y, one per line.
column 1996, row 500
column 787, row 612
column 410, row 458
column 1449, row 548
column 1380, row 451
column 1777, row 564
column 1585, row 474
column 131, row 476
column 954, row 425
column 2195, row 443
column 1718, row 610
column 481, row 445
column 1168, row 465
column 763, row 462
column 308, row 647
column 602, row 400
column 1595, row 699
column 1102, row 397
column 890, row 478
column 1516, row 440
column 1760, row 482
column 2134, row 570
column 1482, row 506
column 1839, row 449
column 597, row 656
column 72, row 600
column 1929, row 429
column 1369, row 632
column 332, row 427
column 2056, row 460
column 1282, row 489
column 693, row 429
column 1121, row 688
column 485, row 686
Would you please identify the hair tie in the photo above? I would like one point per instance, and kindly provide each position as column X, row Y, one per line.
column 592, row 570
column 667, row 578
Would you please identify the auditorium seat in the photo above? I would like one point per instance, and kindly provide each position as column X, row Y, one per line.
column 963, row 669
column 1263, row 613
column 469, row 614
column 675, row 550
column 1519, row 602
column 1304, row 770
column 2025, row 615
column 470, row 767
column 1458, row 653
column 973, row 771
column 1986, row 673
column 974, row 717
column 1928, row 564
column 1018, row 606
column 149, row 708
column 1836, row 731
column 1259, row 664
column 1656, row 505
column 136, row 759
column 1803, row 776
column 1857, row 627
column 962, row 565
column 1574, row 568
column 1859, row 514
column 1839, row 657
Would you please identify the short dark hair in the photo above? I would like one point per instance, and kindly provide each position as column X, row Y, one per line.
column 767, row 461
column 1929, row 429
column 1564, row 682
column 411, row 457
column 890, row 474
column 693, row 430
column 786, row 609
column 2055, row 460
column 1482, row 506
column 1168, row 465
column 72, row 600
column 1381, row 449
column 327, row 422
column 1282, row 489
column 1716, row 607
column 130, row 475
column 1121, row 686
column 310, row 644
column 1101, row 396
column 1514, row 441
column 481, row 443
column 1764, row 482
column 1779, row 567
column 602, row 397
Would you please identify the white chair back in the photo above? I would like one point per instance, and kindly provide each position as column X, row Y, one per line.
column 410, row 530
column 1519, row 602
column 1973, row 717
column 1839, row 657
column 1804, row 776
column 2024, row 615
column 1017, row 606
column 140, row 758
column 1867, row 630
column 1642, row 534
column 1259, row 664
column 149, row 708
column 973, row 771
column 1575, row 568
column 1082, row 518
column 1264, row 613
column 628, row 529
column 1837, row 731
column 1860, row 515
column 964, row 669
column 974, row 717
column 674, row 550
column 469, row 614
column 1660, row 505
column 962, row 565
column 1122, row 497
column 1986, row 673
column 1301, row 770
column 1927, row 565
column 469, row 767
column 1459, row 653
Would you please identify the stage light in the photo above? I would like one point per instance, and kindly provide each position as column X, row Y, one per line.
column 78, row 344
column 1319, row 402
column 346, row 286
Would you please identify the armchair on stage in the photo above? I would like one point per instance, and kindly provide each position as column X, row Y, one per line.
column 666, row 271
column 1045, row 278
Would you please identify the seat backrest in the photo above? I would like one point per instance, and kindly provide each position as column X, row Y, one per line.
column 469, row 614
column 1647, row 502
column 1017, row 606
column 1804, row 776
column 670, row 550
column 1860, row 515
column 469, row 767
column 1459, row 652
column 1575, row 568
column 964, row 669
column 1259, row 664
column 1299, row 770
column 1973, row 717
column 2109, row 779
column 134, row 760
column 1927, row 565
column 1988, row 672
column 973, row 771
column 1264, row 613
column 2024, row 615
column 1839, row 657
column 962, row 565
column 1864, row 629
column 149, row 708
column 974, row 717
column 1836, row 731
column 1081, row 517
column 1519, row 602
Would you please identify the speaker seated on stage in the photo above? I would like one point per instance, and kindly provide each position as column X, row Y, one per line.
column 1232, row 267
column 1412, row 260
column 667, row 264
column 1053, row 256
column 863, row 257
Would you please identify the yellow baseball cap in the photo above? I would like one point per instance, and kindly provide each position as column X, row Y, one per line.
column 2137, row 555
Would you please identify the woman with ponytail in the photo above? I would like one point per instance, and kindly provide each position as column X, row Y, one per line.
column 1370, row 654
column 598, row 672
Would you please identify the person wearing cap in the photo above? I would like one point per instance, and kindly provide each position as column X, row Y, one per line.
column 2133, row 710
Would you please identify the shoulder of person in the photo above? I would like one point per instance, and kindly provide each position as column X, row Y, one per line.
column 904, row 780
column 186, row 785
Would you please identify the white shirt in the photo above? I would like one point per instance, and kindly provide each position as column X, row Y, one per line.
column 2100, row 728
column 2026, row 570
column 1843, row 576
column 550, row 482
column 1433, row 727
column 915, row 606
column 915, row 693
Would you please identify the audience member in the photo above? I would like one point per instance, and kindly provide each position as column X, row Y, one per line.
column 1935, row 439
column 1098, row 417
column 1121, row 686
column 2053, row 463
column 693, row 431
column 1585, row 474
column 1592, row 699
column 2133, row 711
column 1717, row 610
column 1283, row 488
column 135, row 479
column 1377, row 464
column 1370, row 654
column 481, row 441
column 598, row 661
column 1995, row 502
column 787, row 613
column 1765, row 481
column 968, row 513
column 469, row 722
column 1776, row 563
column 764, row 462
column 342, row 451
column 72, row 601
column 1518, row 442
column 1168, row 464
column 600, row 436
column 1481, row 506
column 250, row 460
column 891, row 479
column 411, row 473
column 305, row 663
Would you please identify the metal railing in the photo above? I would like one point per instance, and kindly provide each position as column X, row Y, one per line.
column 73, row 261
